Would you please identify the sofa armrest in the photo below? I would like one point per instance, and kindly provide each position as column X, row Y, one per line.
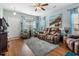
column 41, row 32
column 76, row 47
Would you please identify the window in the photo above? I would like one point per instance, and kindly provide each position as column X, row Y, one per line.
column 76, row 22
column 74, row 19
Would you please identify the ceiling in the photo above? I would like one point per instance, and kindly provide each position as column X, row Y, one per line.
column 28, row 8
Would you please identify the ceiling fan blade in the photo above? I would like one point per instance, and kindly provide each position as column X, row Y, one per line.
column 44, row 4
column 43, row 9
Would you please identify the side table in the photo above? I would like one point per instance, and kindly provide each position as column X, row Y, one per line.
column 64, row 40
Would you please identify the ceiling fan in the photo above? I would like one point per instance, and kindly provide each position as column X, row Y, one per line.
column 40, row 6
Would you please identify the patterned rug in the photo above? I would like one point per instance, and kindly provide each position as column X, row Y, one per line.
column 40, row 47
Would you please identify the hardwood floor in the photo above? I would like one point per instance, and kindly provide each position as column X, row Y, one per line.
column 18, row 47
column 60, row 51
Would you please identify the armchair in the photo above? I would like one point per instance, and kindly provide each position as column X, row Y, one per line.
column 25, row 34
column 73, row 43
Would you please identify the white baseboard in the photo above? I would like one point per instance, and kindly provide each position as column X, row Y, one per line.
column 13, row 38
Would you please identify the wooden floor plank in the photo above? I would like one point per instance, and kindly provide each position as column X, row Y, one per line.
column 61, row 50
column 19, row 48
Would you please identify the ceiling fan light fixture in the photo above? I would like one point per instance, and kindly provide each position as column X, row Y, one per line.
column 38, row 8
column 14, row 13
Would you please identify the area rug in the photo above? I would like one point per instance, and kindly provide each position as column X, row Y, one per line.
column 40, row 47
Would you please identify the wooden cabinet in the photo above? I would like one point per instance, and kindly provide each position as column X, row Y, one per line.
column 3, row 41
column 3, row 35
column 64, row 40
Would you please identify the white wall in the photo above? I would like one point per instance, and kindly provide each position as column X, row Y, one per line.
column 65, row 17
column 65, row 13
column 1, row 12
column 14, row 22
column 14, row 28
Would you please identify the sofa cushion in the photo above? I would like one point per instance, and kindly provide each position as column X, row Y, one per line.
column 74, row 36
column 52, row 32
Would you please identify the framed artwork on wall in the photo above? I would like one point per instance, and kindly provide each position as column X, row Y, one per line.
column 55, row 20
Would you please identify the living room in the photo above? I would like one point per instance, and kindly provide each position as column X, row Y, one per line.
column 39, row 29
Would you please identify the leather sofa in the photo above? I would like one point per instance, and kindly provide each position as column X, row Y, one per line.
column 54, row 36
column 50, row 35
column 42, row 35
